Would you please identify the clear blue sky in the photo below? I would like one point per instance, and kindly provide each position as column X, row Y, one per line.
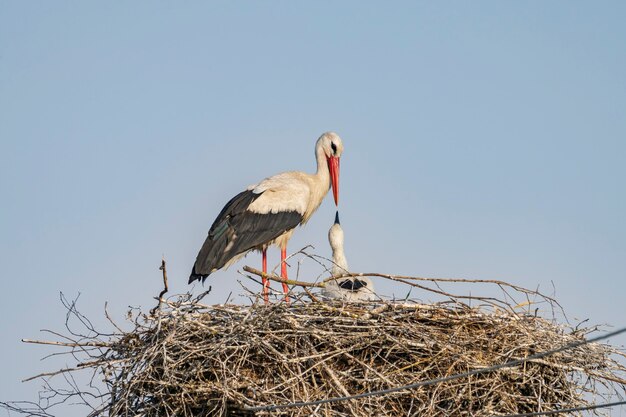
column 482, row 140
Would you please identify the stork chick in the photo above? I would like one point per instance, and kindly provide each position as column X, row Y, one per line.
column 349, row 288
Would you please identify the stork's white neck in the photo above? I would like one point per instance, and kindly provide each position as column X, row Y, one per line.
column 319, row 184
column 322, row 172
column 340, row 264
column 335, row 238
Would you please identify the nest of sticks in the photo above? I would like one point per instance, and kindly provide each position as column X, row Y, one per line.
column 186, row 358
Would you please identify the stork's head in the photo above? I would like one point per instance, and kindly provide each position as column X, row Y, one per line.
column 335, row 235
column 329, row 145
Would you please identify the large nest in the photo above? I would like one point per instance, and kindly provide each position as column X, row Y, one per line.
column 209, row 360
column 190, row 359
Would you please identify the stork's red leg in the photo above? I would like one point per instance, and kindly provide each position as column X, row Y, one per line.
column 283, row 271
column 266, row 282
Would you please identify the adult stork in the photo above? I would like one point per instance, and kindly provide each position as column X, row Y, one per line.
column 266, row 214
column 349, row 288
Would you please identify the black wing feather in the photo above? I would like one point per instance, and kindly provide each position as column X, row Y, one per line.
column 237, row 230
column 351, row 285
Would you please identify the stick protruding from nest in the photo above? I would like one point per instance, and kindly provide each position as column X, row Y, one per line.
column 165, row 288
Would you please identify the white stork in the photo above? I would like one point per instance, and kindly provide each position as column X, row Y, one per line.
column 266, row 214
column 349, row 288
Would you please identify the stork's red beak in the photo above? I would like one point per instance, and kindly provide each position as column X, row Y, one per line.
column 333, row 167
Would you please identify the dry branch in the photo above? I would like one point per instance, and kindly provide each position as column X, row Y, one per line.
column 165, row 288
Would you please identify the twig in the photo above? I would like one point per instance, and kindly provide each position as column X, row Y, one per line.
column 165, row 288
column 276, row 278
column 75, row 344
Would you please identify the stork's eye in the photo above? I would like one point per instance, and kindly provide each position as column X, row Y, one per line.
column 333, row 147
